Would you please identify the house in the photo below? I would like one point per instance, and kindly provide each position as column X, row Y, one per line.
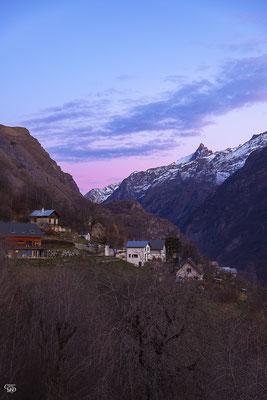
column 44, row 217
column 85, row 234
column 137, row 252
column 22, row 240
column 157, row 250
column 188, row 269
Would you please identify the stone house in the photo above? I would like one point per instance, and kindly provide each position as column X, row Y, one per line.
column 137, row 252
column 157, row 250
column 188, row 269
column 49, row 218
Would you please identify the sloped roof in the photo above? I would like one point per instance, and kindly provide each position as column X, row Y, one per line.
column 19, row 229
column 157, row 244
column 137, row 243
column 193, row 264
column 84, row 233
column 40, row 213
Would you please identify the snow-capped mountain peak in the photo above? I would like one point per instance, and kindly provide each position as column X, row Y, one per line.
column 201, row 151
column 203, row 167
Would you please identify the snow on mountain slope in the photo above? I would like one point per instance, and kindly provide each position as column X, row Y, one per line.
column 100, row 195
column 203, row 166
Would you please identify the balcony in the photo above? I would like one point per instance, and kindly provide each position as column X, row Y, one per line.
column 28, row 246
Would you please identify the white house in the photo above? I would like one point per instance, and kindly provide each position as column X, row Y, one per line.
column 157, row 250
column 188, row 269
column 137, row 252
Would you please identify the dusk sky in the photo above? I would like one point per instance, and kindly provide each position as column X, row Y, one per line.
column 109, row 87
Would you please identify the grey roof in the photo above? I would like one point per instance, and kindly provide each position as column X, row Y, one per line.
column 137, row 243
column 157, row 244
column 82, row 233
column 40, row 213
column 19, row 229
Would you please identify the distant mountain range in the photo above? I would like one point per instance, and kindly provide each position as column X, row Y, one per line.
column 175, row 191
column 218, row 199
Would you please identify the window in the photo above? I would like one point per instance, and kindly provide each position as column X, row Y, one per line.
column 135, row 255
column 129, row 255
column 188, row 270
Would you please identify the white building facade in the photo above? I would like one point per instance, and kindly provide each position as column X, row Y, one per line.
column 137, row 252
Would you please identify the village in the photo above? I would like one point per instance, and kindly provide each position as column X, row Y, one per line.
column 43, row 237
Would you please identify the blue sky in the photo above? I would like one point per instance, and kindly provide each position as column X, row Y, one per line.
column 112, row 87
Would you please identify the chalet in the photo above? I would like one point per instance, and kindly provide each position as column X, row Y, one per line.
column 22, row 240
column 44, row 217
column 188, row 269
column 137, row 252
column 157, row 250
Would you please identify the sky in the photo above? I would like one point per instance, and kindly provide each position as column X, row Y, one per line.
column 112, row 87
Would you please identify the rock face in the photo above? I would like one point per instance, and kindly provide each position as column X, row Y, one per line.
column 231, row 225
column 25, row 162
column 175, row 191
column 30, row 179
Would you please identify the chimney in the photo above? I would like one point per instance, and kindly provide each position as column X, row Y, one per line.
column 42, row 210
